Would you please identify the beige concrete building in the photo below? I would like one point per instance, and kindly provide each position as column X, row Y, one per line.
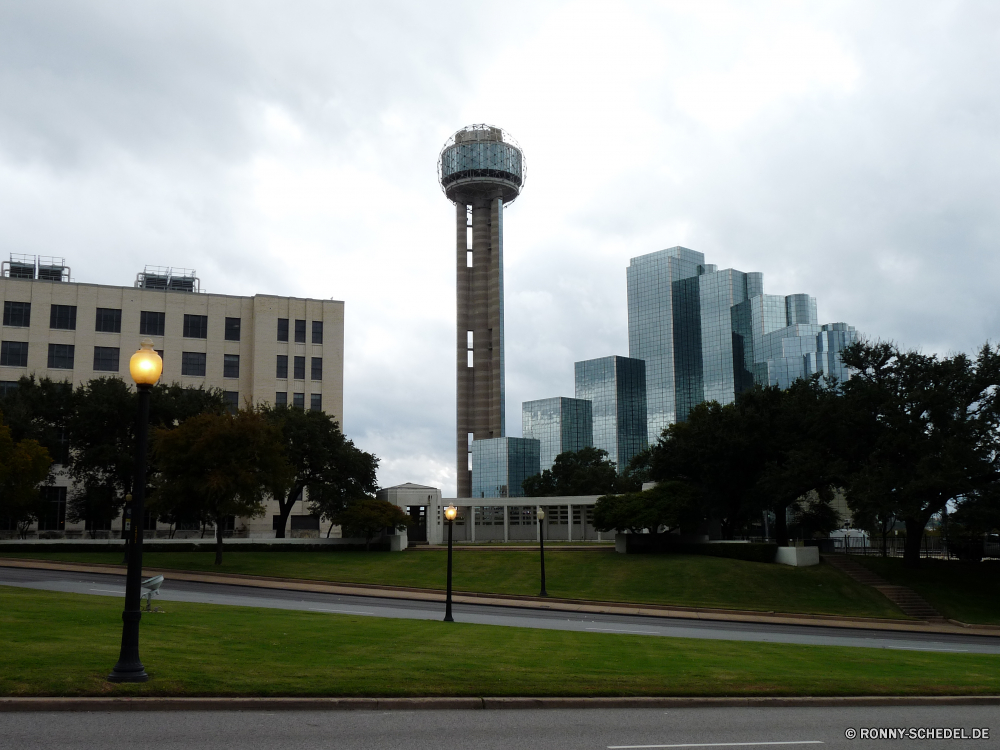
column 260, row 349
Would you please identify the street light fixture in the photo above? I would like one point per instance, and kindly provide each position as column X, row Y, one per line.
column 145, row 366
column 541, row 547
column 450, row 513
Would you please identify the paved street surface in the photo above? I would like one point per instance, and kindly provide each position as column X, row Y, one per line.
column 211, row 593
column 576, row 729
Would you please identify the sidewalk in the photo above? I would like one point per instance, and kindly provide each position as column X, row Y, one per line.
column 524, row 602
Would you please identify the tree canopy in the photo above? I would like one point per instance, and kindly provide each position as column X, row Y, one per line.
column 368, row 516
column 588, row 471
column 24, row 465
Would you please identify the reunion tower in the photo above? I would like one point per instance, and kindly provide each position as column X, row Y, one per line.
column 481, row 170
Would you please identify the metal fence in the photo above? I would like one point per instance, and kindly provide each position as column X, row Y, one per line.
column 931, row 546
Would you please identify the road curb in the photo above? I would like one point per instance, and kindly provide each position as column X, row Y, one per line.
column 14, row 705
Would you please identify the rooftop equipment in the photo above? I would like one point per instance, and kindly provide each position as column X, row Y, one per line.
column 41, row 268
column 168, row 279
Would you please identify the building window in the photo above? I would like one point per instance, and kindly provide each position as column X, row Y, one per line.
column 14, row 354
column 17, row 314
column 108, row 320
column 232, row 400
column 299, row 400
column 316, row 372
column 281, row 398
column 151, row 323
column 160, row 352
column 7, row 387
column 196, row 326
column 282, row 329
column 316, row 402
column 300, row 368
column 231, row 366
column 193, row 364
column 300, row 332
column 106, row 358
column 282, row 369
column 61, row 356
column 53, row 509
column 63, row 317
column 317, row 332
column 232, row 329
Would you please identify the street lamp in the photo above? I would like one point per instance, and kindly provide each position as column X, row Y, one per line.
column 145, row 367
column 450, row 513
column 541, row 546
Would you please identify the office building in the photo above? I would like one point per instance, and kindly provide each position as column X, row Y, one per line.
column 559, row 425
column 481, row 170
column 616, row 388
column 500, row 466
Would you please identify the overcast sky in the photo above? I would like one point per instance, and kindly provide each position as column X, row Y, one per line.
column 848, row 150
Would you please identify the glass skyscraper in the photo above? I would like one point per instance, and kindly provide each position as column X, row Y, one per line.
column 559, row 424
column 616, row 387
column 500, row 466
column 707, row 335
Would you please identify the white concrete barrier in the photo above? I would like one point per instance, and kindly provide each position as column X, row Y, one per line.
column 797, row 556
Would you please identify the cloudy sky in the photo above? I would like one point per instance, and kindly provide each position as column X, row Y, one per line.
column 850, row 150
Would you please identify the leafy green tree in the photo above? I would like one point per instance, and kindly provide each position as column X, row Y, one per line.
column 24, row 465
column 587, row 471
column 40, row 410
column 220, row 465
column 327, row 464
column 667, row 506
column 368, row 516
column 929, row 428
column 815, row 517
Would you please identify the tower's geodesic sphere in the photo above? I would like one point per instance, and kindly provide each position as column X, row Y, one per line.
column 481, row 161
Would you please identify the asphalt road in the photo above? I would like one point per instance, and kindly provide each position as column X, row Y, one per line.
column 210, row 593
column 570, row 729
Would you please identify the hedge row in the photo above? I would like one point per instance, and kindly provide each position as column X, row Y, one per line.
column 657, row 544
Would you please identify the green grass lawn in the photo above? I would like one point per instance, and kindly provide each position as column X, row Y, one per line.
column 969, row 592
column 65, row 644
column 685, row 580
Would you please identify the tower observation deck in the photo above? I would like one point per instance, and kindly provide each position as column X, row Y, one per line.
column 481, row 169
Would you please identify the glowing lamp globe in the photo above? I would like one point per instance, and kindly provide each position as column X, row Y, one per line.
column 541, row 514
column 145, row 365
column 451, row 512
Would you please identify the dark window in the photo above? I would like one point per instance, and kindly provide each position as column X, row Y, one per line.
column 148, row 520
column 151, row 323
column 305, row 522
column 193, row 364
column 316, row 402
column 230, row 365
column 281, row 398
column 109, row 320
column 282, row 329
column 300, row 368
column 61, row 356
column 317, row 331
column 232, row 329
column 60, row 448
column 63, row 316
column 300, row 332
column 97, row 524
column 106, row 358
column 232, row 400
column 299, row 400
column 53, row 510
column 316, row 373
column 17, row 314
column 7, row 387
column 14, row 354
column 282, row 369
column 196, row 326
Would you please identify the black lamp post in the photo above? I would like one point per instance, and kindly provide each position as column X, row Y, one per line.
column 145, row 367
column 449, row 513
column 541, row 547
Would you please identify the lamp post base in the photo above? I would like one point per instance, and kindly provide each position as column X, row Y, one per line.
column 128, row 676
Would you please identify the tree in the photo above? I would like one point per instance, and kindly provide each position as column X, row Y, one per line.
column 102, row 436
column 661, row 509
column 40, row 410
column 220, row 465
column 587, row 471
column 929, row 428
column 815, row 516
column 368, row 516
column 24, row 465
column 324, row 462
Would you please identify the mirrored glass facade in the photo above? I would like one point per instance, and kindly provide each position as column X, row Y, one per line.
column 616, row 388
column 559, row 424
column 500, row 466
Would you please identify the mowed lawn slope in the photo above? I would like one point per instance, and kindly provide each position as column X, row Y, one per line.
column 965, row 591
column 683, row 580
column 65, row 644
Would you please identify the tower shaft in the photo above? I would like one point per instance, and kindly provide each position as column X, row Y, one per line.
column 480, row 360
